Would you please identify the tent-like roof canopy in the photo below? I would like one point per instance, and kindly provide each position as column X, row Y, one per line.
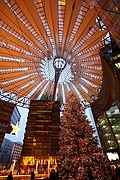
column 38, row 37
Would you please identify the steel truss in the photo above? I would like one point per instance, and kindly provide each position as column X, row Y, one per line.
column 25, row 101
column 13, row 98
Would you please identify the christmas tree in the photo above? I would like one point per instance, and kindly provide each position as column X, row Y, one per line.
column 80, row 157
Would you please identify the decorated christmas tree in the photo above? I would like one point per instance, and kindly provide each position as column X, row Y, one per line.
column 80, row 157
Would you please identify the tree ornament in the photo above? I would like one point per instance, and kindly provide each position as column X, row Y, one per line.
column 79, row 127
column 82, row 143
column 90, row 149
column 77, row 157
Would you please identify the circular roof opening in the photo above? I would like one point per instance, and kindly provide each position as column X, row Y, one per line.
column 59, row 63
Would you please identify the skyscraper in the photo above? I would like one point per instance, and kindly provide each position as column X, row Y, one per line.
column 41, row 137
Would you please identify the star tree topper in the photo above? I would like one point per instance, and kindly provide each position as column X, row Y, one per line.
column 15, row 129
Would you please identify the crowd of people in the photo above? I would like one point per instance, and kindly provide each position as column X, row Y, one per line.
column 54, row 174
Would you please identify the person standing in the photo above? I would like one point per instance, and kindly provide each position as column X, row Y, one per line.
column 10, row 176
column 32, row 175
column 90, row 176
column 52, row 175
column 113, row 172
column 117, row 172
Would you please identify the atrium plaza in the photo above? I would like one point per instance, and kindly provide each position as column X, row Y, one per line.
column 49, row 48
